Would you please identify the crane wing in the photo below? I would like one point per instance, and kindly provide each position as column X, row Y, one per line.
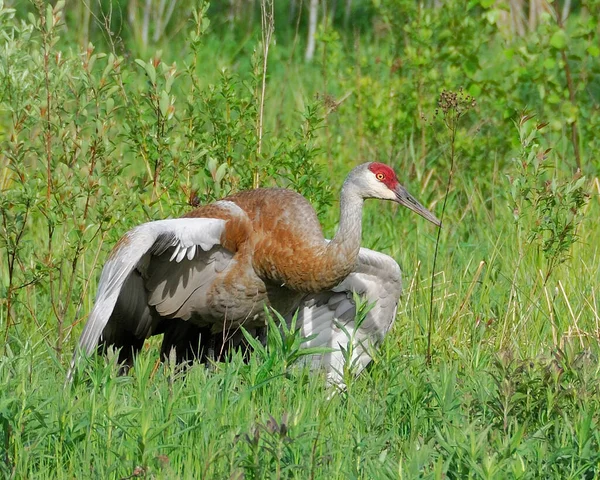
column 330, row 317
column 122, row 292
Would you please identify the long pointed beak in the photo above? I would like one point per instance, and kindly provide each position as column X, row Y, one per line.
column 410, row 202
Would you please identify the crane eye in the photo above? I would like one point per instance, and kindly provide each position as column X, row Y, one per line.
column 380, row 176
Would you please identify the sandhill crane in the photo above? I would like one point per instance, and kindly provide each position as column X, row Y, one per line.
column 199, row 278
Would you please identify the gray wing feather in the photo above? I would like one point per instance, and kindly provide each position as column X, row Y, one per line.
column 377, row 278
column 134, row 251
column 131, row 304
column 180, row 289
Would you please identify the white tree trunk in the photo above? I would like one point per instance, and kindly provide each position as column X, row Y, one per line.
column 292, row 12
column 312, row 29
column 146, row 24
column 347, row 11
column 566, row 10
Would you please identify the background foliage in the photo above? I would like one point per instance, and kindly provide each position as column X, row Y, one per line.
column 115, row 113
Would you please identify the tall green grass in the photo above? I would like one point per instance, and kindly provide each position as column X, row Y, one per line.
column 469, row 414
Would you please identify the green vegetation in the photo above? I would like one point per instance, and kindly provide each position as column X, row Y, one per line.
column 103, row 126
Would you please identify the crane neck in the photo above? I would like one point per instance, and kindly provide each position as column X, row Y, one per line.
column 307, row 263
column 346, row 242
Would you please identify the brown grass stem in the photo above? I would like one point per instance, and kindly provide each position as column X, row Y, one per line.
column 267, row 11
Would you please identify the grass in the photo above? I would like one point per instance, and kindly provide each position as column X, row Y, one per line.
column 470, row 414
column 511, row 390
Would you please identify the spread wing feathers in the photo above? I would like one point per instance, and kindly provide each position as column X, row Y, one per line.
column 122, row 279
column 331, row 316
column 179, row 289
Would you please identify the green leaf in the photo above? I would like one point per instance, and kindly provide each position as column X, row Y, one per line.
column 471, row 66
column 474, row 90
column 60, row 5
column 221, row 171
column 549, row 63
column 252, row 341
column 593, row 50
column 579, row 183
column 559, row 39
column 164, row 103
column 91, row 62
column 149, row 68
column 169, row 82
column 49, row 18
column 211, row 165
column 553, row 98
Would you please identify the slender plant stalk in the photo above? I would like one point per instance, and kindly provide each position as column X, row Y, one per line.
column 12, row 257
column 46, row 45
column 453, row 106
column 159, row 138
column 48, row 131
column 267, row 11
column 437, row 240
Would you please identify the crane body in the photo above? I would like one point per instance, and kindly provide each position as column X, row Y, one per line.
column 198, row 278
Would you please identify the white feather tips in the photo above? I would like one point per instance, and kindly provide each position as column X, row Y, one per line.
column 185, row 235
column 133, row 251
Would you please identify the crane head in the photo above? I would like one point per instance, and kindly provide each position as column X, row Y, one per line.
column 384, row 184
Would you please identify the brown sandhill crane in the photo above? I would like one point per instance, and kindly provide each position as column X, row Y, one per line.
column 200, row 277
